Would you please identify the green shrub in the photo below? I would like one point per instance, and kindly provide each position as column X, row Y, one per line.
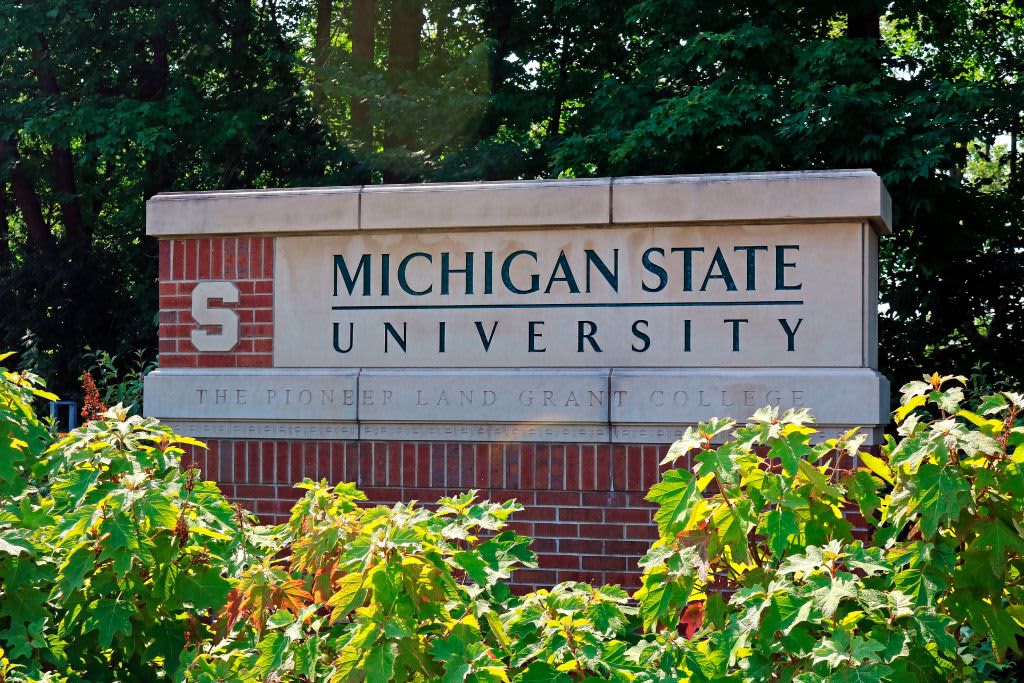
column 112, row 557
column 117, row 564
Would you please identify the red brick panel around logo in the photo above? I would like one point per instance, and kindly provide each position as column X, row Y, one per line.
column 585, row 506
column 246, row 261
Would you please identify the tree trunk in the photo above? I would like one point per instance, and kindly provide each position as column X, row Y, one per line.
column 364, row 24
column 404, row 41
column 555, row 124
column 403, row 61
column 498, row 16
column 154, row 85
column 79, row 235
column 321, row 47
column 28, row 201
column 863, row 20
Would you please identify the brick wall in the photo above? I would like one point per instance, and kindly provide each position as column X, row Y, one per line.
column 585, row 504
column 246, row 261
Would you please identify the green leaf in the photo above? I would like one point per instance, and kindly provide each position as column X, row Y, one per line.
column 828, row 598
column 272, row 649
column 732, row 523
column 997, row 539
column 206, row 589
column 778, row 527
column 819, row 482
column 380, row 663
column 109, row 617
column 122, row 542
column 675, row 494
column 996, row 623
column 662, row 599
column 991, row 405
column 348, row 596
column 721, row 462
column 939, row 494
column 936, row 628
column 863, row 488
column 790, row 450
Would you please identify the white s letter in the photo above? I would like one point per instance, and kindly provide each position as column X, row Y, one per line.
column 225, row 318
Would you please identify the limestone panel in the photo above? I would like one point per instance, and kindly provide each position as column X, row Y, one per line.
column 248, row 395
column 664, row 296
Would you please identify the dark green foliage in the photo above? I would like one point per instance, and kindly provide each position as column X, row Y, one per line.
column 105, row 103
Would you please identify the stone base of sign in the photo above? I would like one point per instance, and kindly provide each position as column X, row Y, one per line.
column 585, row 505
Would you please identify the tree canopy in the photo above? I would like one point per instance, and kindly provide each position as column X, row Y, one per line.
column 104, row 103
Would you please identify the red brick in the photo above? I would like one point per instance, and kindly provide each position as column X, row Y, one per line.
column 497, row 466
column 605, row 563
column 255, row 491
column 626, row 515
column 295, row 461
column 558, row 498
column 558, row 467
column 252, row 460
column 634, row 468
column 527, row 465
column 631, row 580
column 578, row 546
column 646, row 532
column 256, row 257
column 539, row 577
column 650, row 457
column 525, row 498
column 556, row 530
column 603, row 462
column 268, row 257
column 483, row 467
column 512, row 466
column 619, row 467
column 216, row 360
column 636, row 548
column 238, row 460
column 453, row 465
column 204, row 259
column 547, row 561
column 604, row 500
column 257, row 330
column 177, row 259
column 574, row 514
column 588, row 468
column 255, row 361
column 164, row 249
column 542, row 465
column 177, row 361
column 217, row 259
column 230, row 258
column 572, row 467
column 584, row 577
column 242, row 262
column 601, row 531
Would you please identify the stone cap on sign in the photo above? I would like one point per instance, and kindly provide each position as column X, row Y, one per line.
column 791, row 196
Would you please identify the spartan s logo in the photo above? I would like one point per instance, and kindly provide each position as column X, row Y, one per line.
column 225, row 318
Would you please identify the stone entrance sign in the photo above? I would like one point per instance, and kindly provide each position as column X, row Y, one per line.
column 551, row 310
column 540, row 340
